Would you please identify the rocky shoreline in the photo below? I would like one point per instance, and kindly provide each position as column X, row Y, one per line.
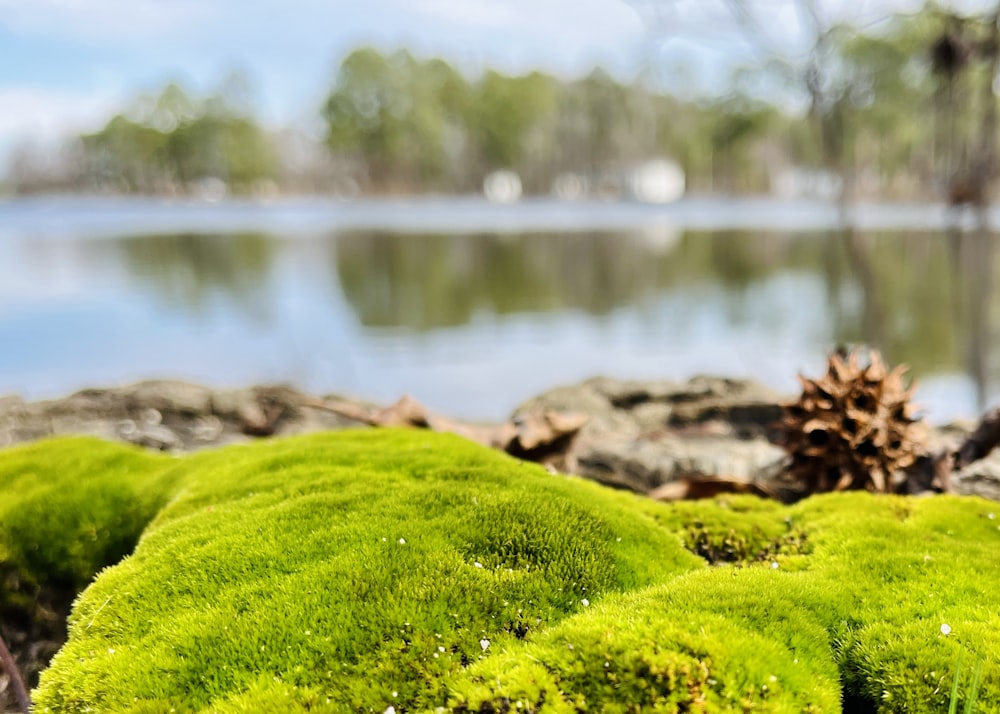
column 652, row 437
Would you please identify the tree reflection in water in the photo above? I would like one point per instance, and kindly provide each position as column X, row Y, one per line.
column 921, row 297
column 189, row 271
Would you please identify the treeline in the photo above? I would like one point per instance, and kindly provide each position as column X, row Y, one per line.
column 905, row 109
column 175, row 144
column 398, row 122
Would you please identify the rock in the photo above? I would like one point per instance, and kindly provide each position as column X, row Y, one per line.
column 643, row 434
column 646, row 463
column 639, row 435
column 155, row 436
column 980, row 478
column 229, row 404
column 170, row 397
column 169, row 415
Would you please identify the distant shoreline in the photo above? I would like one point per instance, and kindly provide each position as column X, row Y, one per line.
column 106, row 216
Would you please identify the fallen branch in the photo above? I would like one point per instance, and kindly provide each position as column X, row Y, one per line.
column 543, row 435
column 16, row 682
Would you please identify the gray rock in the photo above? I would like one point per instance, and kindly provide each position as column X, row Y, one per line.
column 170, row 397
column 155, row 436
column 231, row 403
column 980, row 478
column 645, row 464
column 643, row 434
column 169, row 415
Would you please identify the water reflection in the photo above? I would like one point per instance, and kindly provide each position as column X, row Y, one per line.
column 425, row 282
column 922, row 298
column 191, row 272
column 454, row 317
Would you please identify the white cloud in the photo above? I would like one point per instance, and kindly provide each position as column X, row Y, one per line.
column 565, row 35
column 485, row 14
column 101, row 19
column 42, row 116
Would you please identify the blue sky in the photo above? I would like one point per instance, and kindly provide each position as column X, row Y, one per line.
column 66, row 65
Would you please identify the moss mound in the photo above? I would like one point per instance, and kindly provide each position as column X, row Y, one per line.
column 871, row 617
column 366, row 570
column 68, row 508
column 72, row 506
column 346, row 572
column 736, row 643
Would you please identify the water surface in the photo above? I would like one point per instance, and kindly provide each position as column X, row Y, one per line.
column 475, row 316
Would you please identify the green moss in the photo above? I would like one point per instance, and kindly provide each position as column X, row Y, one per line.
column 353, row 571
column 699, row 643
column 899, row 569
column 69, row 507
column 342, row 568
column 857, row 619
column 734, row 529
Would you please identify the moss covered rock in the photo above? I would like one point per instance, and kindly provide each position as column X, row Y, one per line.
column 348, row 571
column 367, row 570
column 71, row 506
column 863, row 605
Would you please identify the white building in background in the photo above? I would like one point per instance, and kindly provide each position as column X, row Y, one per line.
column 656, row 181
column 210, row 189
column 502, row 187
column 570, row 186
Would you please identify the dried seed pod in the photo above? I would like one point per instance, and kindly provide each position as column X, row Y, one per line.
column 852, row 428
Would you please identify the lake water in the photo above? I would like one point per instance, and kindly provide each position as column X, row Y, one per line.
column 472, row 308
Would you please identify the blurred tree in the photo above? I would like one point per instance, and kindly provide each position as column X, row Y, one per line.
column 399, row 118
column 170, row 143
column 734, row 126
column 504, row 113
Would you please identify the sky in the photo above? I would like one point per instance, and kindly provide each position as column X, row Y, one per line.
column 66, row 66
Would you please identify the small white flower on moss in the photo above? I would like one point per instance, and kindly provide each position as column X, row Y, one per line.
column 484, row 643
column 440, row 648
column 390, row 710
column 945, row 628
column 774, row 565
column 111, row 650
column 585, row 602
column 402, row 541
column 478, row 564
column 991, row 516
column 395, row 694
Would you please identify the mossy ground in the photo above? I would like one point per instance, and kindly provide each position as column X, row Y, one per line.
column 357, row 571
column 67, row 509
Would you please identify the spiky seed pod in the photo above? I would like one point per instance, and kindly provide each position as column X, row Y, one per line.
column 852, row 428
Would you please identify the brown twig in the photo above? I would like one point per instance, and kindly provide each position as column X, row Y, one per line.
column 16, row 682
